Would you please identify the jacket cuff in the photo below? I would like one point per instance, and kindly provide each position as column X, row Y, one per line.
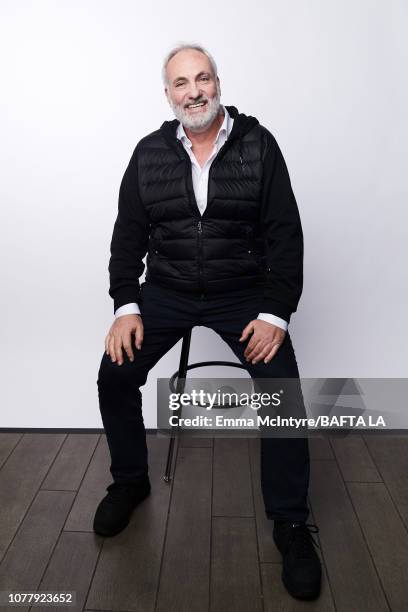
column 125, row 295
column 277, row 308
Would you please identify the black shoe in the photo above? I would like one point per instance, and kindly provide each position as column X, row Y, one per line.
column 114, row 511
column 302, row 572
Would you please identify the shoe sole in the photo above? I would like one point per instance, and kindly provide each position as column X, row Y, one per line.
column 297, row 592
column 121, row 527
column 108, row 534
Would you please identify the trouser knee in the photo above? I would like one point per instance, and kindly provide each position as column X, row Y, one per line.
column 113, row 377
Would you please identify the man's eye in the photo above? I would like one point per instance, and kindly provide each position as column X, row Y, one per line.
column 204, row 78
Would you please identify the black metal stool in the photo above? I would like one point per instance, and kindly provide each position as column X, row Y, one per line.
column 180, row 374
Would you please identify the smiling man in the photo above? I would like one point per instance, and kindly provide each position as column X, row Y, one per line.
column 208, row 198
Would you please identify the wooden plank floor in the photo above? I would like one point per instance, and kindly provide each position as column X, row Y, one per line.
column 201, row 542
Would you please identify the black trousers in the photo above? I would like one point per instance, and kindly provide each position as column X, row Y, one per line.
column 167, row 315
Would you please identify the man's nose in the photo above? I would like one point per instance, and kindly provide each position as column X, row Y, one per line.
column 194, row 92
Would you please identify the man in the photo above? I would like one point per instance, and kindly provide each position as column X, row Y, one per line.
column 208, row 198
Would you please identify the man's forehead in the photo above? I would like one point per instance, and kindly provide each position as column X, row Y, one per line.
column 183, row 65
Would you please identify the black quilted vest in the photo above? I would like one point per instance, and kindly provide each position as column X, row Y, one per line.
column 222, row 250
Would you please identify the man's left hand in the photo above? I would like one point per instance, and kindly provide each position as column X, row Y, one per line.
column 265, row 342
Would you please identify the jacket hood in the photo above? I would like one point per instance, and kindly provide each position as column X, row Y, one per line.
column 241, row 126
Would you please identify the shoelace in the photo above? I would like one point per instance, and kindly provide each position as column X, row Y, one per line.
column 300, row 537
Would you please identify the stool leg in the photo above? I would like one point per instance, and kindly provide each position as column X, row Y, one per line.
column 181, row 382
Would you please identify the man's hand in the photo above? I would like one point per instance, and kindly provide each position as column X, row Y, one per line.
column 120, row 334
column 265, row 342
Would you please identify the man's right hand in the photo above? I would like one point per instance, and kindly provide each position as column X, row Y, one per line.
column 120, row 334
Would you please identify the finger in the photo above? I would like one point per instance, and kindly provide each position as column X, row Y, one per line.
column 254, row 356
column 272, row 353
column 262, row 353
column 139, row 333
column 112, row 347
column 253, row 350
column 127, row 345
column 107, row 344
column 246, row 331
column 118, row 350
column 251, row 345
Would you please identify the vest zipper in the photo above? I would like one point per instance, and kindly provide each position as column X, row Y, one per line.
column 200, row 258
column 189, row 181
column 227, row 144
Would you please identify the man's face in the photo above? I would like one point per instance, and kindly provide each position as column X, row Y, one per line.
column 191, row 81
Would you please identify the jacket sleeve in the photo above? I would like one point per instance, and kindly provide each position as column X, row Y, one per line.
column 129, row 242
column 283, row 236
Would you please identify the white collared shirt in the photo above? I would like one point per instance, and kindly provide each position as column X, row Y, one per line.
column 200, row 175
column 200, row 185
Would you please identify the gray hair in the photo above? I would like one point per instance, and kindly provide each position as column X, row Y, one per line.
column 180, row 47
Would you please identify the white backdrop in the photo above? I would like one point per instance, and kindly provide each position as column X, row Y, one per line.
column 81, row 85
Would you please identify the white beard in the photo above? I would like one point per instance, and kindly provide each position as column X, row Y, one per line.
column 201, row 120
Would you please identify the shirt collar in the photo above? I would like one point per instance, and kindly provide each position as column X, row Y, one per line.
column 225, row 128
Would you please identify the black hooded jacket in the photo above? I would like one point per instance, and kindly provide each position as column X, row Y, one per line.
column 249, row 234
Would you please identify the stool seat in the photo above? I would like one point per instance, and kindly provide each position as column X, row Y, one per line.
column 179, row 387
